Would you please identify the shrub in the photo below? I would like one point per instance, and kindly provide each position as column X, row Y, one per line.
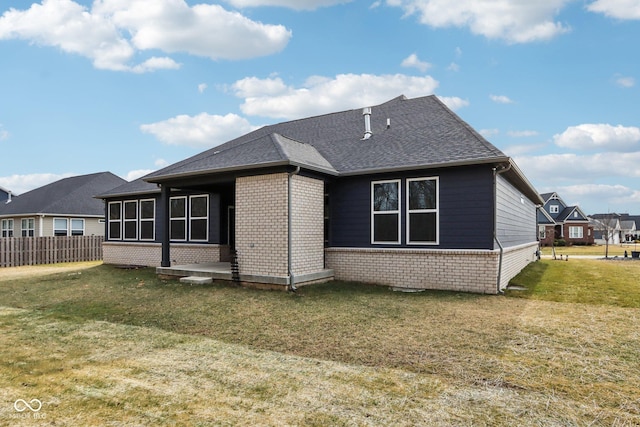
column 560, row 242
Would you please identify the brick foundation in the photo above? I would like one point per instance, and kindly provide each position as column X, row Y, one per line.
column 150, row 254
column 473, row 271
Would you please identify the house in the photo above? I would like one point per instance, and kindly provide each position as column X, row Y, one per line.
column 5, row 195
column 404, row 194
column 615, row 228
column 63, row 208
column 559, row 221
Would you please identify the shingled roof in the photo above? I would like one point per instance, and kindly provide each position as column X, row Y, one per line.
column 68, row 196
column 422, row 132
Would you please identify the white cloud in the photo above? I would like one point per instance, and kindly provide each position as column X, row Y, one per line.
column 453, row 67
column 113, row 32
column 453, row 102
column 202, row 87
column 4, row 134
column 500, row 99
column 413, row 61
column 563, row 167
column 139, row 173
column 320, row 95
column 599, row 198
column 511, row 20
column 292, row 4
column 161, row 163
column 19, row 184
column 619, row 9
column 203, row 130
column 598, row 136
column 488, row 132
column 522, row 133
column 625, row 82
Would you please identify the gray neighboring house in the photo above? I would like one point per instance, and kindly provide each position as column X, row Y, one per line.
column 404, row 194
column 5, row 194
column 63, row 208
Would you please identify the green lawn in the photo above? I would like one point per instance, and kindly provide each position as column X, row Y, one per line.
column 596, row 250
column 104, row 346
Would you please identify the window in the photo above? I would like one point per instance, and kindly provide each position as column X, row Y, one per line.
column 198, row 218
column 28, row 227
column 77, row 227
column 385, row 212
column 575, row 214
column 60, row 226
column 178, row 218
column 131, row 220
column 115, row 220
column 554, row 209
column 147, row 219
column 7, row 228
column 422, row 211
column 542, row 232
column 575, row 232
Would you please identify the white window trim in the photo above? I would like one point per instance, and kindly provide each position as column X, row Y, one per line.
column 5, row 228
column 395, row 212
column 152, row 219
column 125, row 220
column 71, row 226
column 436, row 211
column 572, row 234
column 554, row 209
column 191, row 217
column 185, row 218
column 22, row 229
column 61, row 219
column 109, row 220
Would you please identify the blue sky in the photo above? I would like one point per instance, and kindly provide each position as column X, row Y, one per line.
column 130, row 86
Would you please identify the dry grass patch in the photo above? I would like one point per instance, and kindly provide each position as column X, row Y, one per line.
column 126, row 346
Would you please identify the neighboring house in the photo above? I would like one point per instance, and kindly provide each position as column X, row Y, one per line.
column 404, row 194
column 5, row 195
column 617, row 228
column 557, row 220
column 63, row 208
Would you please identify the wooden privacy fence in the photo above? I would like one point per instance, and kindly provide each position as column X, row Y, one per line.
column 17, row 251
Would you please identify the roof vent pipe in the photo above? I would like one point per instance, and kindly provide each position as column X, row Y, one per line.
column 366, row 112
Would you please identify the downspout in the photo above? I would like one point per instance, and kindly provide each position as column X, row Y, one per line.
column 496, row 172
column 292, row 283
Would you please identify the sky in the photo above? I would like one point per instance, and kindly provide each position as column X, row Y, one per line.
column 130, row 86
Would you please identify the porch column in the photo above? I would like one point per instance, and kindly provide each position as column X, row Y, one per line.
column 165, row 194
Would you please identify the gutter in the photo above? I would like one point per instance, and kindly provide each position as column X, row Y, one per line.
column 292, row 282
column 496, row 172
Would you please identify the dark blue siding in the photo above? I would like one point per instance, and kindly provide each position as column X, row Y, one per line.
column 466, row 208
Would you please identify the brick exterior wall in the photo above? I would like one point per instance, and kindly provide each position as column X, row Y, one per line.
column 516, row 258
column 453, row 270
column 307, row 225
column 261, row 224
column 150, row 254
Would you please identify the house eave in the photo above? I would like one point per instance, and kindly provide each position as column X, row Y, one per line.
column 243, row 168
column 371, row 171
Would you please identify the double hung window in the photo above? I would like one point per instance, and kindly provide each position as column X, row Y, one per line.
column 60, row 226
column 385, row 212
column 115, row 220
column 131, row 220
column 147, row 219
column 7, row 228
column 178, row 218
column 28, row 227
column 421, row 211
